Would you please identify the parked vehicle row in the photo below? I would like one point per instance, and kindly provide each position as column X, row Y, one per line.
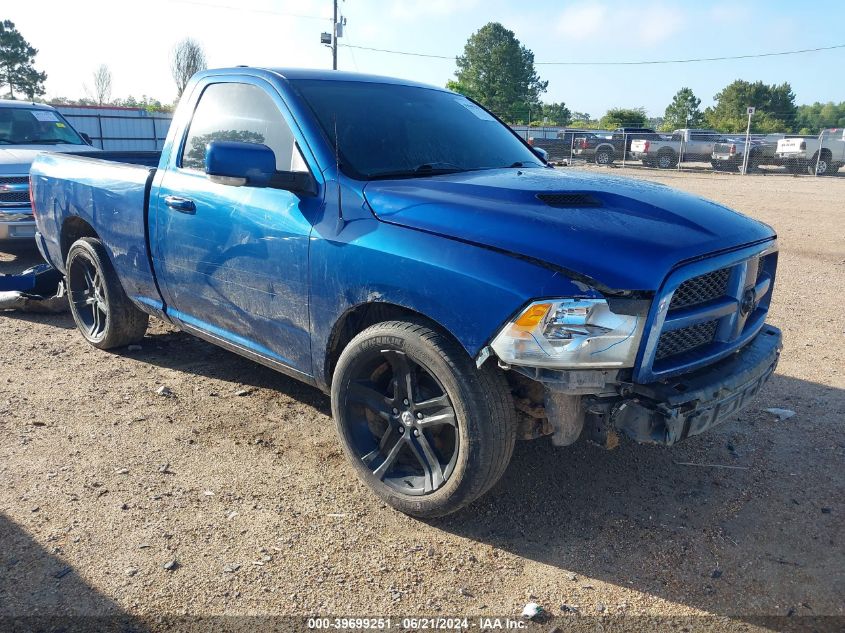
column 725, row 152
column 606, row 149
column 685, row 145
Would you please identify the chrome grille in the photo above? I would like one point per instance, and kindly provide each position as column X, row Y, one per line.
column 709, row 314
column 14, row 196
column 14, row 191
column 14, row 180
column 701, row 289
column 686, row 339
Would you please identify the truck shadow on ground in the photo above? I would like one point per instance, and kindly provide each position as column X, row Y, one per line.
column 183, row 352
column 760, row 537
column 744, row 520
column 40, row 592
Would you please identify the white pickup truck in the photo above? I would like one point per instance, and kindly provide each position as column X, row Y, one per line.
column 683, row 145
column 823, row 155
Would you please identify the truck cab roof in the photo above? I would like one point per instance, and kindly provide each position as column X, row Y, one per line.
column 15, row 103
column 317, row 74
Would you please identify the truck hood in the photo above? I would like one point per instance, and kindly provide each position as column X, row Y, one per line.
column 16, row 159
column 623, row 233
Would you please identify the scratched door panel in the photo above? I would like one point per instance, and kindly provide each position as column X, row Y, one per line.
column 237, row 266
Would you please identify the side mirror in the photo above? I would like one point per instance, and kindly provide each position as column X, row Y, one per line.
column 86, row 138
column 543, row 154
column 237, row 164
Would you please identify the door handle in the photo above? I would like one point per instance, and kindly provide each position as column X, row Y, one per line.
column 183, row 205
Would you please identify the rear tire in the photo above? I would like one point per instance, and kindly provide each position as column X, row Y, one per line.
column 425, row 430
column 820, row 166
column 720, row 165
column 604, row 156
column 103, row 313
column 667, row 160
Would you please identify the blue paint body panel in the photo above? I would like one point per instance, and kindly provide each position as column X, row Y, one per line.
column 272, row 273
column 107, row 195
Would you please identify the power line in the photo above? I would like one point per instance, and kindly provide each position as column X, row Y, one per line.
column 385, row 50
column 620, row 63
column 696, row 59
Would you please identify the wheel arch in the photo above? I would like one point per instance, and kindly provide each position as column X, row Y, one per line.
column 73, row 229
column 359, row 317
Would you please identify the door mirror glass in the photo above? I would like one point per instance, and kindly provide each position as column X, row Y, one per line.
column 235, row 163
column 86, row 138
column 543, row 154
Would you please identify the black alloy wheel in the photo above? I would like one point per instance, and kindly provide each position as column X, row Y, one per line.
column 402, row 422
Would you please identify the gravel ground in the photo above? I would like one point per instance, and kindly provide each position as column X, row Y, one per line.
column 238, row 478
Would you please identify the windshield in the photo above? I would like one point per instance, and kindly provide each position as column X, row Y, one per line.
column 388, row 130
column 31, row 126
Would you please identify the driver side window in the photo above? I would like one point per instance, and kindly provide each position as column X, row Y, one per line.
column 240, row 112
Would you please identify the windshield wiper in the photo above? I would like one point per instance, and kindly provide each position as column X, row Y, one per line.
column 2, row 140
column 426, row 169
column 48, row 141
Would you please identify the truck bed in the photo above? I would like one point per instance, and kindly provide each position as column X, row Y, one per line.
column 109, row 192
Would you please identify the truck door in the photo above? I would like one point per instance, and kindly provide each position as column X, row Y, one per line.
column 233, row 260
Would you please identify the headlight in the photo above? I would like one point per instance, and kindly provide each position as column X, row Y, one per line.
column 570, row 333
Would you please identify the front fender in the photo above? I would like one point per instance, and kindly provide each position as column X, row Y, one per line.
column 469, row 290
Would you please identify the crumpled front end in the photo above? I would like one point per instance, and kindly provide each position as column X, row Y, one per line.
column 704, row 353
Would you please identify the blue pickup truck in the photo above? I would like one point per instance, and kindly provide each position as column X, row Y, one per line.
column 397, row 246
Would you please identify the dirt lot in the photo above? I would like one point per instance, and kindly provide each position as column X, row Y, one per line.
column 238, row 477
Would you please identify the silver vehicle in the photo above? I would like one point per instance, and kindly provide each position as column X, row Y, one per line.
column 26, row 129
column 729, row 154
column 823, row 155
column 684, row 145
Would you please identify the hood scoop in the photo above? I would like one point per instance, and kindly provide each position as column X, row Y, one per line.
column 569, row 200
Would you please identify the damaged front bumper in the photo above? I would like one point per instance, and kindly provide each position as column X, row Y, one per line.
column 601, row 405
column 670, row 411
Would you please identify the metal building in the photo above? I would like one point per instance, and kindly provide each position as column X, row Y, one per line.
column 118, row 128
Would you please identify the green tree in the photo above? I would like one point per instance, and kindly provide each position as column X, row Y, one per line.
column 775, row 107
column 498, row 72
column 683, row 111
column 17, row 59
column 556, row 113
column 813, row 118
column 623, row 117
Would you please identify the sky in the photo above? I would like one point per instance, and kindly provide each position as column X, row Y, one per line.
column 136, row 40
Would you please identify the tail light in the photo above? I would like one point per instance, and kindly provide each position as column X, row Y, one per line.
column 646, row 145
column 732, row 150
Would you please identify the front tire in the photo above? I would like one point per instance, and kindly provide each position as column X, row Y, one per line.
column 103, row 313
column 426, row 430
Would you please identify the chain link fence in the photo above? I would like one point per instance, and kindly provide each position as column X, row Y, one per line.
column 687, row 149
column 694, row 150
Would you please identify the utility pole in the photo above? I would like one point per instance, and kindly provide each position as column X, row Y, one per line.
column 330, row 39
column 334, row 37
